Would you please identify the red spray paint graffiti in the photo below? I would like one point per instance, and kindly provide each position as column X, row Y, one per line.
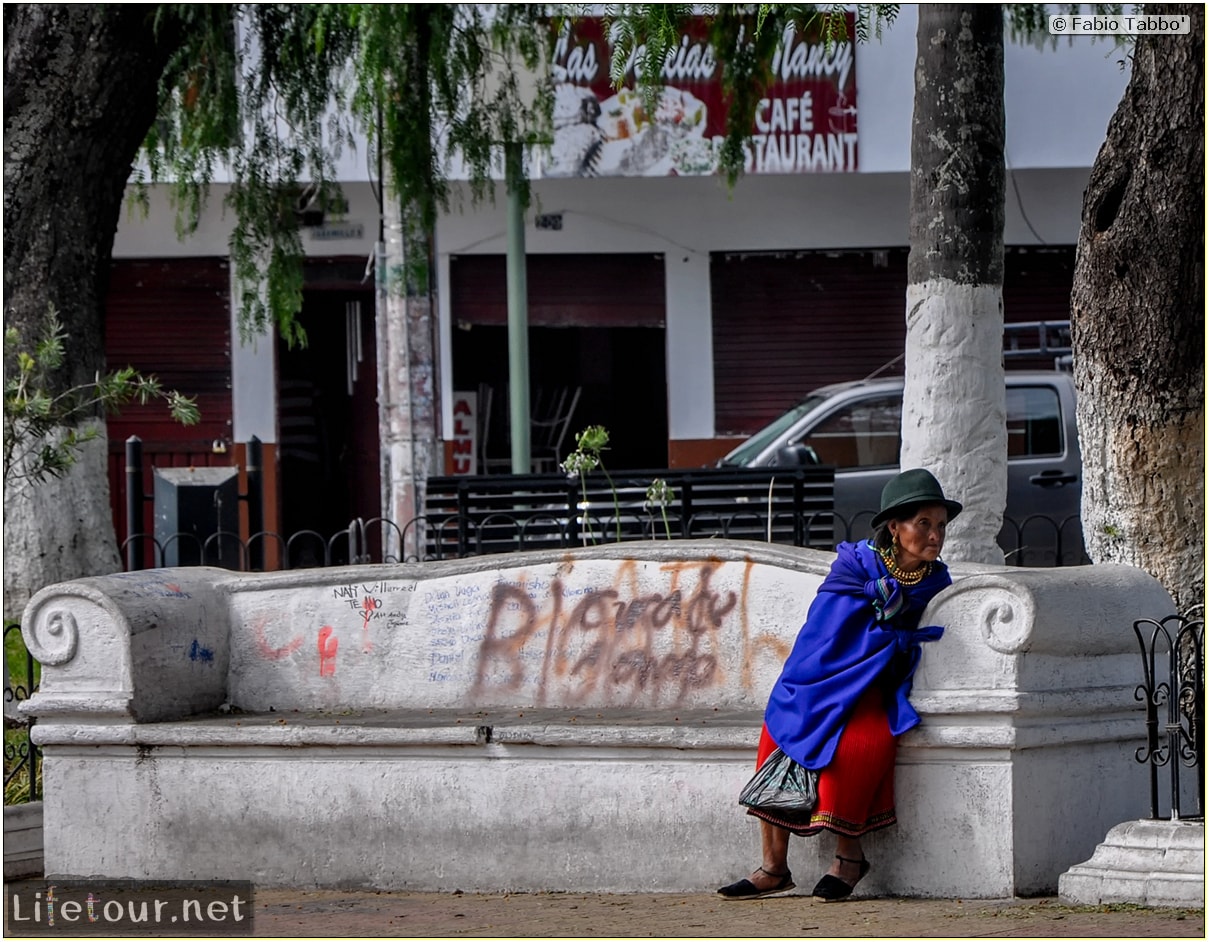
column 370, row 605
column 327, row 651
column 266, row 650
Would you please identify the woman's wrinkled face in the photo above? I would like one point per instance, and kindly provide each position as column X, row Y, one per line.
column 921, row 536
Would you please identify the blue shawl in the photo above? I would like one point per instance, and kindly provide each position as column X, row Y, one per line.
column 861, row 629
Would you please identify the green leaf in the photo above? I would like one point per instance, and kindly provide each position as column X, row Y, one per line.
column 41, row 433
column 183, row 408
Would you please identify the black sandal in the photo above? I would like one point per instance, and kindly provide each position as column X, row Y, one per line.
column 745, row 889
column 832, row 888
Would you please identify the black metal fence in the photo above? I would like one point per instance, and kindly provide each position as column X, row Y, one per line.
column 21, row 757
column 1173, row 659
column 453, row 535
column 471, row 516
column 1043, row 543
column 504, row 513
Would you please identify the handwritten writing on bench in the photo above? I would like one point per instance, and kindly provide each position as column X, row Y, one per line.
column 623, row 633
column 454, row 614
column 363, row 606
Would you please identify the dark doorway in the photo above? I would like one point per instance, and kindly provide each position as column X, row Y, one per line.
column 621, row 372
column 596, row 325
column 328, row 417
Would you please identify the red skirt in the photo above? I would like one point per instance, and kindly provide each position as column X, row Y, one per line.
column 856, row 790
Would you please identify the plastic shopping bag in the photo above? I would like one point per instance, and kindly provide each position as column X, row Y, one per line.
column 783, row 789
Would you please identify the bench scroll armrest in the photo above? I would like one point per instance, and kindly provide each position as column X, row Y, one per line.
column 144, row 646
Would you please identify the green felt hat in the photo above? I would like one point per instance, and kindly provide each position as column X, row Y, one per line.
column 913, row 487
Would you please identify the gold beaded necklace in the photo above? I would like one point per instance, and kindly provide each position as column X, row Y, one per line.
column 903, row 576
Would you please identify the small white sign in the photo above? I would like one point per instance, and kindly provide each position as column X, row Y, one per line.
column 338, row 230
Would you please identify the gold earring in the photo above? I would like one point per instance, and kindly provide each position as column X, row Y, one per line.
column 895, row 543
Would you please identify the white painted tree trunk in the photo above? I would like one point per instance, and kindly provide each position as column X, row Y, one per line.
column 59, row 529
column 954, row 420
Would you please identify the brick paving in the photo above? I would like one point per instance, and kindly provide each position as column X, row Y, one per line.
column 368, row 913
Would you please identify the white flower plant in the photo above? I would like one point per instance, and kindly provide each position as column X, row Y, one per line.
column 587, row 456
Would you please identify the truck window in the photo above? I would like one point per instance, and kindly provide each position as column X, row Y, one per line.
column 862, row 434
column 751, row 448
column 1034, row 422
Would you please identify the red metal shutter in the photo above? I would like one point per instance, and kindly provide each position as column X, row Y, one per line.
column 564, row 290
column 1037, row 282
column 171, row 318
column 785, row 323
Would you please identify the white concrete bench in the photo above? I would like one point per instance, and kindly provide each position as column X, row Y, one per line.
column 579, row 720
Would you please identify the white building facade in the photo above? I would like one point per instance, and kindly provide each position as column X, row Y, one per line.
column 685, row 313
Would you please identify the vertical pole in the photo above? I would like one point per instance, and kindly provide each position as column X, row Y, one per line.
column 572, row 534
column 463, row 509
column 134, row 503
column 801, row 526
column 518, row 314
column 1197, row 719
column 686, row 507
column 255, row 464
column 1152, row 711
column 1174, row 727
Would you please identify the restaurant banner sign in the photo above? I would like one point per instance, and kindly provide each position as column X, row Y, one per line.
column 805, row 123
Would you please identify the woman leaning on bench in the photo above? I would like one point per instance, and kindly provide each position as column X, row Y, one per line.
column 841, row 703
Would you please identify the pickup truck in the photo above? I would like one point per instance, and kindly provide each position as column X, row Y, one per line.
column 855, row 427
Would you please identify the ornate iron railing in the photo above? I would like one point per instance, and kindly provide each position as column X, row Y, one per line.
column 1173, row 658
column 20, row 752
column 486, row 514
column 455, row 536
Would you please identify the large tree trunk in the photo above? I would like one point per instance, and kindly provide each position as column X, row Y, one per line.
column 80, row 92
column 407, row 399
column 407, row 410
column 954, row 402
column 1138, row 321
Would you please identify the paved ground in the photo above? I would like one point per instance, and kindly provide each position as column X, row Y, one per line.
column 326, row 913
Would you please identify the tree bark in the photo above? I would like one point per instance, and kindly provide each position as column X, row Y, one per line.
column 954, row 421
column 408, row 407
column 407, row 412
column 1138, row 321
column 81, row 86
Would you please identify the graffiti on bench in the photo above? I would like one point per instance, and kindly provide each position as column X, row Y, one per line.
column 617, row 633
